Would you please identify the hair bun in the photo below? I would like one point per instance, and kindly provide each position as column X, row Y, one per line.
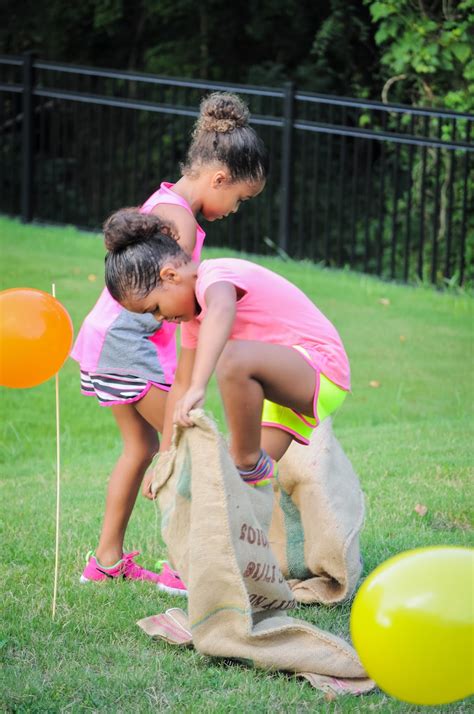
column 128, row 226
column 222, row 112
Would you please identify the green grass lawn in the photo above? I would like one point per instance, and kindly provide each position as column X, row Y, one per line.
column 409, row 438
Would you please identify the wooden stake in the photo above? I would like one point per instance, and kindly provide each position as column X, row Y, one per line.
column 58, row 481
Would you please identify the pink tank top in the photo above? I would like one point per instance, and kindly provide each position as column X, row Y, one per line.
column 113, row 340
column 272, row 310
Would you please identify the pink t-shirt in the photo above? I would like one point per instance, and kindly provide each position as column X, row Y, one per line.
column 113, row 340
column 272, row 310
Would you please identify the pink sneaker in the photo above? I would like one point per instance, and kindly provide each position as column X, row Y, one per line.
column 169, row 580
column 127, row 569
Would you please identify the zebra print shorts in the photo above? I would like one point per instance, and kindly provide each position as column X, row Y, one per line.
column 111, row 389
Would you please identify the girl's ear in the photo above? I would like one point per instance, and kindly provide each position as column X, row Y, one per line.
column 169, row 274
column 220, row 178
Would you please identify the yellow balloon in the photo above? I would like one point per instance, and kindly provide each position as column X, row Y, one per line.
column 412, row 624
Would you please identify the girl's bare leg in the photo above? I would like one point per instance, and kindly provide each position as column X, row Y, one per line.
column 275, row 442
column 247, row 372
column 152, row 407
column 140, row 444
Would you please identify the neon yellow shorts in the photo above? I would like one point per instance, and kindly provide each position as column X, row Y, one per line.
column 328, row 398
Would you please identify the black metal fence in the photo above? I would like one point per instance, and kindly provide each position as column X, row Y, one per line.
column 385, row 189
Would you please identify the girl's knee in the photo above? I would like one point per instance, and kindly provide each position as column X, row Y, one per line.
column 231, row 361
column 140, row 461
column 141, row 454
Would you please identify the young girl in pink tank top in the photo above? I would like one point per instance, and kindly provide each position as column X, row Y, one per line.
column 128, row 360
column 261, row 334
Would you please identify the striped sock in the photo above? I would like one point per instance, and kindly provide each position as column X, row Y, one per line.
column 262, row 472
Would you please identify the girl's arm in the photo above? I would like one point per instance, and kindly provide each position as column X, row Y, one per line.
column 215, row 329
column 179, row 387
column 182, row 220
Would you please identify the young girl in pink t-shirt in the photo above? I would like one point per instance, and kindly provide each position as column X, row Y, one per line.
column 261, row 334
column 128, row 360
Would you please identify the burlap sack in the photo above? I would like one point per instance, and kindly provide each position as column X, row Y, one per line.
column 317, row 518
column 216, row 531
column 173, row 627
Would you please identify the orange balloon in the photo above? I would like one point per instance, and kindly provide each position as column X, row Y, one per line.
column 35, row 337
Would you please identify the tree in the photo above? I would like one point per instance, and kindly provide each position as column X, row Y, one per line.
column 324, row 46
column 427, row 51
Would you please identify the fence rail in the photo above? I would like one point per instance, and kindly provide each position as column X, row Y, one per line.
column 386, row 189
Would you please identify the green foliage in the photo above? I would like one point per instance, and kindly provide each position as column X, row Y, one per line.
column 106, row 14
column 325, row 46
column 343, row 50
column 333, row 46
column 426, row 50
column 429, row 47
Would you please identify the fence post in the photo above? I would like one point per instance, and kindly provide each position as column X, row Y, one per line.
column 286, row 166
column 27, row 140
